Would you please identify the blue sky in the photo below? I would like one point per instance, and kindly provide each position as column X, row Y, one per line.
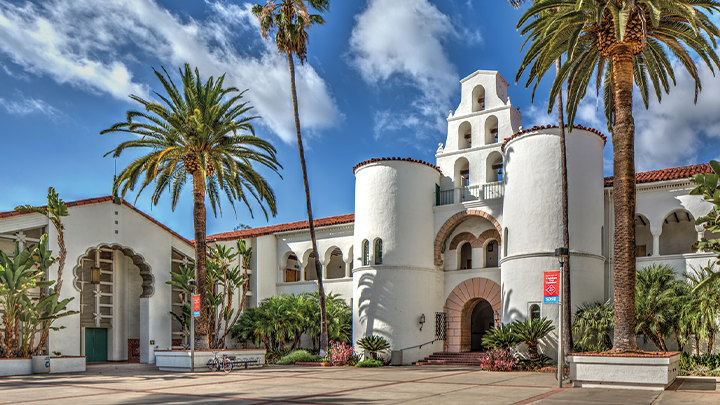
column 380, row 79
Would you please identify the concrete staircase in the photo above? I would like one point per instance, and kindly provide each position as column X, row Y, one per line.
column 453, row 359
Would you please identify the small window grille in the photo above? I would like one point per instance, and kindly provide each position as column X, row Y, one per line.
column 365, row 253
column 440, row 325
column 378, row 251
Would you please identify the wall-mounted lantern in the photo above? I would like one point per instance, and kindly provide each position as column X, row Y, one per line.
column 422, row 321
column 95, row 275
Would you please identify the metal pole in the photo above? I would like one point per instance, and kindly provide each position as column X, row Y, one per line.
column 192, row 333
column 560, row 333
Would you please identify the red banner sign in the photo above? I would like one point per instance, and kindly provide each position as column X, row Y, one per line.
column 196, row 305
column 551, row 287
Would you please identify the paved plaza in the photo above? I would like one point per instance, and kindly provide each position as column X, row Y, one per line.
column 142, row 384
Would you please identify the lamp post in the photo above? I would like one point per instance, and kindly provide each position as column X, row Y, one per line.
column 191, row 286
column 562, row 255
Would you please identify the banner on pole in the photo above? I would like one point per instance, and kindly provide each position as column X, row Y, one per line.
column 551, row 287
column 196, row 305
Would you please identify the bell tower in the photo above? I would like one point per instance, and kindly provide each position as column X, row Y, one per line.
column 485, row 117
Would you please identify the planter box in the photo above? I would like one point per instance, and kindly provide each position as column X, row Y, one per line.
column 57, row 365
column 179, row 360
column 628, row 371
column 10, row 367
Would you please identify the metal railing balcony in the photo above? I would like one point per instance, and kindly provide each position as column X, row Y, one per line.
column 485, row 192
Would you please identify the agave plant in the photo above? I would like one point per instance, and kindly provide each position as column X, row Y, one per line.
column 373, row 344
column 531, row 331
column 500, row 337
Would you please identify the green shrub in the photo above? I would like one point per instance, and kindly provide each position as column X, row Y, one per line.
column 592, row 324
column 298, row 356
column 373, row 345
column 274, row 355
column 501, row 337
column 369, row 363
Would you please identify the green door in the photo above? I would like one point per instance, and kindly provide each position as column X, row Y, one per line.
column 96, row 344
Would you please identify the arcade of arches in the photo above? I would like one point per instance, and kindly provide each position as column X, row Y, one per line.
column 470, row 309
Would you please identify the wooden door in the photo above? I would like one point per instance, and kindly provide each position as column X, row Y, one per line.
column 96, row 345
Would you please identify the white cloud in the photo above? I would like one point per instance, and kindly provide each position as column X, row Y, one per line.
column 674, row 132
column 93, row 47
column 28, row 105
column 402, row 41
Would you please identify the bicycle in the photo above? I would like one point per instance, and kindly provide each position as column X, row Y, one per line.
column 218, row 361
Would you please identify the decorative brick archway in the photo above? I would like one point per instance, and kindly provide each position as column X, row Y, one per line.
column 452, row 223
column 475, row 243
column 459, row 306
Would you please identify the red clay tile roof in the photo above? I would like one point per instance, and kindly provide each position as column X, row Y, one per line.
column 673, row 173
column 293, row 226
column 536, row 128
column 88, row 201
column 367, row 162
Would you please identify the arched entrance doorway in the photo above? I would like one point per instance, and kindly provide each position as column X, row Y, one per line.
column 481, row 319
column 112, row 280
column 470, row 310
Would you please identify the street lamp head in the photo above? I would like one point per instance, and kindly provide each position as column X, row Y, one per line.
column 562, row 254
column 192, row 284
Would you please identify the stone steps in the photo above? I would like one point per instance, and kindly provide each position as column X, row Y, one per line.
column 453, row 359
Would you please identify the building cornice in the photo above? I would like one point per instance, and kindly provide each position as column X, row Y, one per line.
column 551, row 254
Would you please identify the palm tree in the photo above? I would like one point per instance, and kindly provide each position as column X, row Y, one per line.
column 566, row 332
column 708, row 189
column 616, row 42
column 659, row 296
column 594, row 321
column 199, row 132
column 531, row 331
column 705, row 303
column 291, row 20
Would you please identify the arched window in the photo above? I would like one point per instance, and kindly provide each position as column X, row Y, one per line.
column 534, row 311
column 491, row 130
column 478, row 98
column 465, row 136
column 365, row 252
column 491, row 254
column 292, row 270
column 493, row 169
column 505, row 249
column 378, row 251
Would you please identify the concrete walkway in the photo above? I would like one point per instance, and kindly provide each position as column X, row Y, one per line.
column 444, row 385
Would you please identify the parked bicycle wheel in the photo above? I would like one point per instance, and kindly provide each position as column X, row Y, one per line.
column 212, row 364
column 227, row 365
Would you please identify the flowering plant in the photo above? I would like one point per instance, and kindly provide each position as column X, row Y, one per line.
column 340, row 353
column 499, row 360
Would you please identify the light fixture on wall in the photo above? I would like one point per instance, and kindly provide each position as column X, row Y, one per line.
column 422, row 321
column 496, row 317
column 95, row 275
column 562, row 254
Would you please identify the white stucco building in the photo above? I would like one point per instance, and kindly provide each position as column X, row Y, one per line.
column 466, row 239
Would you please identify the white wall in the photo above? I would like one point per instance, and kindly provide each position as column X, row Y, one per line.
column 394, row 201
column 93, row 225
column 532, row 215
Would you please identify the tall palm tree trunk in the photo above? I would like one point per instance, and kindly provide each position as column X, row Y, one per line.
column 567, row 321
column 200, row 221
column 318, row 266
column 623, row 140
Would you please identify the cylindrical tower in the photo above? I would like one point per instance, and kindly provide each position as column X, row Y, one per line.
column 394, row 278
column 532, row 215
